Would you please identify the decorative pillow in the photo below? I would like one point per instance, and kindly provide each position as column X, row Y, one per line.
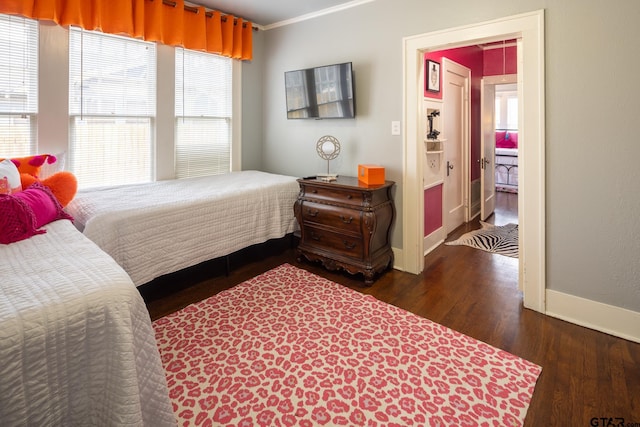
column 23, row 213
column 32, row 164
column 504, row 139
column 9, row 178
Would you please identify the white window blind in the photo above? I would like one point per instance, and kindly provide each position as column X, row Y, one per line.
column 112, row 105
column 203, row 114
column 18, row 86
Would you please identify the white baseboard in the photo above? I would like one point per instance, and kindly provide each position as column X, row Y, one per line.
column 475, row 201
column 595, row 315
column 398, row 259
column 434, row 239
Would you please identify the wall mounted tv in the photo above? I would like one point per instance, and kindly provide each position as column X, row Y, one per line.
column 325, row 92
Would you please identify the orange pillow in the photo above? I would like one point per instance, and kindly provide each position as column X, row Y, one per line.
column 32, row 164
column 63, row 185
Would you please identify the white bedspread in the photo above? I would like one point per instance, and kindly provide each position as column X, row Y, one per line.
column 76, row 343
column 509, row 152
column 162, row 227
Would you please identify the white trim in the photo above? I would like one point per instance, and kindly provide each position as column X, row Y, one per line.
column 398, row 261
column 501, row 79
column 316, row 14
column 434, row 239
column 498, row 46
column 236, row 115
column 595, row 315
column 528, row 27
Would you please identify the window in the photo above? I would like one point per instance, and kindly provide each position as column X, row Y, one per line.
column 112, row 105
column 18, row 86
column 203, row 111
column 506, row 107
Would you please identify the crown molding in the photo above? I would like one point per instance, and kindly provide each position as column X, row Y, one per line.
column 317, row 14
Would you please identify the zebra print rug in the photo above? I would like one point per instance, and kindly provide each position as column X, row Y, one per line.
column 497, row 239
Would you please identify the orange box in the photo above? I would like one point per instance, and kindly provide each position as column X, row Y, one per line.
column 371, row 174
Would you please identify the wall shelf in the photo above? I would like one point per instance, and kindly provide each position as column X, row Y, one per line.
column 434, row 146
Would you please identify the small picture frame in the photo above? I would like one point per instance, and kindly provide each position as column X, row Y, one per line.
column 432, row 76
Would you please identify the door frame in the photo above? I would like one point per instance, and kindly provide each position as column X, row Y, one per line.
column 529, row 27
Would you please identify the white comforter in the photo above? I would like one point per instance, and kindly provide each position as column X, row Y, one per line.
column 161, row 227
column 76, row 342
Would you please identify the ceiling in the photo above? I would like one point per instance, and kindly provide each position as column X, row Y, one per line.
column 268, row 12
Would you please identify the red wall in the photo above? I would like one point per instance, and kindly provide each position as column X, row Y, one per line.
column 493, row 64
column 432, row 209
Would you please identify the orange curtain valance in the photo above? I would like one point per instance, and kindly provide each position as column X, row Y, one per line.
column 152, row 20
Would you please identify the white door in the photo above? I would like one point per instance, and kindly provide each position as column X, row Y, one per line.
column 488, row 150
column 455, row 131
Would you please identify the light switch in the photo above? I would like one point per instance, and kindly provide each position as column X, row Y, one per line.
column 395, row 128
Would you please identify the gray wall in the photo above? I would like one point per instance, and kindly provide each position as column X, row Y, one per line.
column 252, row 103
column 592, row 151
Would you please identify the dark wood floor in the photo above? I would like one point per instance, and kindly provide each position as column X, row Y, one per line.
column 587, row 376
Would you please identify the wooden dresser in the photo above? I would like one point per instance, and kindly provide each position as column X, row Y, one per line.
column 346, row 224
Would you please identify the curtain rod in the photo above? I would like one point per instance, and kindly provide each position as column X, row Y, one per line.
column 196, row 10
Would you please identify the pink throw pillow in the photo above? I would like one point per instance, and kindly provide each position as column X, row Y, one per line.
column 505, row 139
column 23, row 213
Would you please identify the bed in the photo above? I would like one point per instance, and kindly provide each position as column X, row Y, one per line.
column 76, row 342
column 161, row 227
column 506, row 164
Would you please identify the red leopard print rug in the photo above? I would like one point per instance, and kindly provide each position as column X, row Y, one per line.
column 291, row 348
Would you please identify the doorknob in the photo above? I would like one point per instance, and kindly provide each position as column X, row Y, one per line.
column 449, row 167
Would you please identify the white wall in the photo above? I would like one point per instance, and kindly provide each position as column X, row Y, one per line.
column 593, row 230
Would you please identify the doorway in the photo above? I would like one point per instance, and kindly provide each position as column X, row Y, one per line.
column 499, row 127
column 529, row 28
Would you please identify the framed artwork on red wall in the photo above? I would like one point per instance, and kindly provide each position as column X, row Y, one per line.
column 432, row 76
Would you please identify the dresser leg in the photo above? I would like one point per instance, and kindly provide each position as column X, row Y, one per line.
column 368, row 277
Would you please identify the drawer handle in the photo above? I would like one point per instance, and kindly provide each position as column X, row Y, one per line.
column 348, row 245
column 349, row 196
column 314, row 191
column 313, row 213
column 316, row 236
column 346, row 220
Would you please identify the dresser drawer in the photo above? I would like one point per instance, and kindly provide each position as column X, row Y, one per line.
column 334, row 195
column 334, row 242
column 344, row 219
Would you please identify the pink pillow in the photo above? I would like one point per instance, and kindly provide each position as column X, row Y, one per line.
column 506, row 139
column 23, row 213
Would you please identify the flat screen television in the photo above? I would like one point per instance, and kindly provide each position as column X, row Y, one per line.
column 325, row 92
